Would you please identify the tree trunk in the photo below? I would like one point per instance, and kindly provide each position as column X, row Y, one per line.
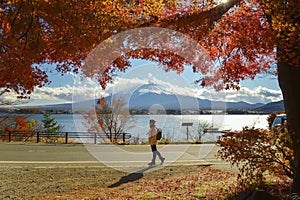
column 289, row 81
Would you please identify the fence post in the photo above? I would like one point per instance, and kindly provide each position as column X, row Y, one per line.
column 123, row 137
column 9, row 136
column 67, row 137
column 37, row 137
column 95, row 138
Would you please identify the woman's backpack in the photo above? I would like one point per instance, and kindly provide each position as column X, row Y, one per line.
column 159, row 133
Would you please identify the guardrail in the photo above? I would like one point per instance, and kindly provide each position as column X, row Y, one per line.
column 39, row 135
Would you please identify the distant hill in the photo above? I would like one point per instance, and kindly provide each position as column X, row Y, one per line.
column 272, row 107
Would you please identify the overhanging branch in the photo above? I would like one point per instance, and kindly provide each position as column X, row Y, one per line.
column 188, row 20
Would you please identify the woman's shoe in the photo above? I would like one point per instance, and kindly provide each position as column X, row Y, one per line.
column 151, row 163
column 162, row 161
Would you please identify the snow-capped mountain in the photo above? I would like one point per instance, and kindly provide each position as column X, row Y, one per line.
column 151, row 94
column 152, row 88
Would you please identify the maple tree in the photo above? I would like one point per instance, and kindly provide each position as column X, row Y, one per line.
column 243, row 38
column 111, row 118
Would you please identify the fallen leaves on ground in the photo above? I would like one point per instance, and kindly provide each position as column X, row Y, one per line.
column 208, row 183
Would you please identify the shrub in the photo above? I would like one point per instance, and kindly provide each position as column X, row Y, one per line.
column 164, row 140
column 24, row 129
column 257, row 152
column 197, row 142
column 144, row 142
column 123, row 143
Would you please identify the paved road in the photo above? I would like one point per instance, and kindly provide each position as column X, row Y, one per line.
column 128, row 158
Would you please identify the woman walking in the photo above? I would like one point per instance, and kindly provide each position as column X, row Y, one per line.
column 152, row 140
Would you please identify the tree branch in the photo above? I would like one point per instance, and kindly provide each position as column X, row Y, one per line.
column 187, row 20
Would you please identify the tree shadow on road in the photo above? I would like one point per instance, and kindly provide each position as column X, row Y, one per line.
column 131, row 177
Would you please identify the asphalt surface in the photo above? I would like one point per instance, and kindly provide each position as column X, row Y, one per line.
column 122, row 157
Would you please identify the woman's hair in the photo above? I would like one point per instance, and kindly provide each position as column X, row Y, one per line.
column 152, row 123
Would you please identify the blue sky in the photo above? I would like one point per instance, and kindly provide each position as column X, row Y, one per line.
column 267, row 81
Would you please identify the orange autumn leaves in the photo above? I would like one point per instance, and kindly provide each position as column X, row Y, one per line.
column 18, row 123
column 241, row 41
column 258, row 153
column 109, row 117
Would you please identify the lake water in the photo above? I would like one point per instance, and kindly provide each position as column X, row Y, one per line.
column 170, row 124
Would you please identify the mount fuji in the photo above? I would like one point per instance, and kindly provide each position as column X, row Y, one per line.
column 151, row 94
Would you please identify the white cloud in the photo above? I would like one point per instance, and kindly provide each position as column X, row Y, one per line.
column 257, row 95
column 85, row 90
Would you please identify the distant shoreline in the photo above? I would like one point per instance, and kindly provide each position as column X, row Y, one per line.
column 135, row 112
column 141, row 112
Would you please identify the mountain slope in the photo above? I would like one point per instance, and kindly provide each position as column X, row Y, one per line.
column 153, row 94
column 272, row 107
